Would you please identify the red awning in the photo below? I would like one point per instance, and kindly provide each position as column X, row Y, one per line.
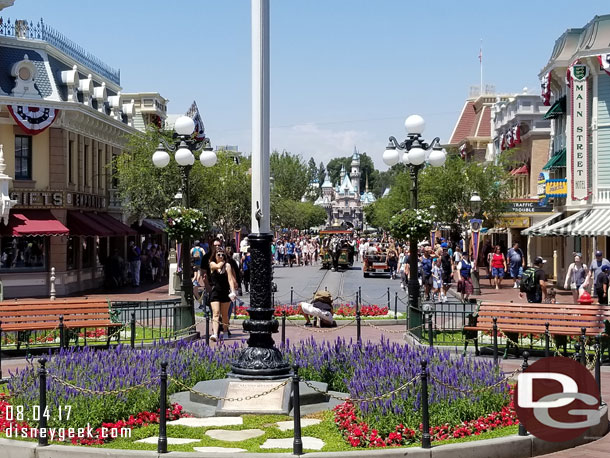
column 102, row 224
column 82, row 224
column 118, row 228
column 520, row 170
column 150, row 226
column 32, row 222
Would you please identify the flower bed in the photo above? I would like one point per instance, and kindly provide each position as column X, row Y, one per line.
column 344, row 310
column 365, row 371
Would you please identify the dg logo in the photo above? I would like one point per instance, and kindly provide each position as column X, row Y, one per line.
column 557, row 399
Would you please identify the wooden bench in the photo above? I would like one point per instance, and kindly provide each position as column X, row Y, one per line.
column 527, row 318
column 67, row 315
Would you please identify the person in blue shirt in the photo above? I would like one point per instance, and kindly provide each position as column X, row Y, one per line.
column 245, row 265
column 290, row 252
column 426, row 269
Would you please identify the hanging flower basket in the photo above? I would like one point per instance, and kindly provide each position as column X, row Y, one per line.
column 181, row 222
column 411, row 224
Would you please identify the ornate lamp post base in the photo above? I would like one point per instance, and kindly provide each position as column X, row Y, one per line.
column 261, row 359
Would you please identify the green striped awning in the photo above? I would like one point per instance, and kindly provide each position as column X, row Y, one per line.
column 557, row 109
column 557, row 160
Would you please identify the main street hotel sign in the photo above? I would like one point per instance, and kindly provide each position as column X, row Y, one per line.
column 579, row 132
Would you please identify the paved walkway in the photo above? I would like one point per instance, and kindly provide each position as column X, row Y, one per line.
column 391, row 332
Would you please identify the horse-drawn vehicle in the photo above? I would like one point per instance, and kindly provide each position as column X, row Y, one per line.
column 336, row 249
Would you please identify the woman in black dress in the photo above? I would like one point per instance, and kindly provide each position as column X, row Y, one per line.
column 223, row 290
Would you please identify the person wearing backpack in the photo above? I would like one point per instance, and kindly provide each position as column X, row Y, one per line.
column 533, row 282
column 197, row 254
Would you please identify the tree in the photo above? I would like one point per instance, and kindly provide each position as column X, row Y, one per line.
column 222, row 192
column 321, row 173
column 379, row 213
column 286, row 213
column 290, row 175
column 312, row 170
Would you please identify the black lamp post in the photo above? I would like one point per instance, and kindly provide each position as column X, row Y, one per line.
column 417, row 153
column 475, row 208
column 184, row 147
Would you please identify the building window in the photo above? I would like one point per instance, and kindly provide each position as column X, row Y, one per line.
column 71, row 162
column 72, row 255
column 115, row 181
column 86, row 166
column 87, row 251
column 23, row 157
column 23, row 254
column 100, row 169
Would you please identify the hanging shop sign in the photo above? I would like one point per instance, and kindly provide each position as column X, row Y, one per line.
column 527, row 206
column 514, row 221
column 57, row 199
column 31, row 119
column 579, row 144
column 556, row 188
column 541, row 188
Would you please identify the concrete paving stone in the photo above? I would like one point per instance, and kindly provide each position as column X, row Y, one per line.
column 289, row 425
column 311, row 443
column 234, row 436
column 170, row 440
column 218, row 450
column 206, row 422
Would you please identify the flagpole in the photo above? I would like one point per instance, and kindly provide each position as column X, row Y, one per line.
column 481, row 64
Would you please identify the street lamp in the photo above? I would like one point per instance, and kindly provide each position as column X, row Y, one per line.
column 416, row 153
column 184, row 146
column 475, row 208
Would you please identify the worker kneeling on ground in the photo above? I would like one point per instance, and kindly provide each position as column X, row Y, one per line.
column 321, row 308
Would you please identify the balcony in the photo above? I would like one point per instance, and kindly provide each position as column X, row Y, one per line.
column 40, row 31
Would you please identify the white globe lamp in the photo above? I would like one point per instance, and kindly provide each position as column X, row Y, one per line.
column 390, row 156
column 417, row 155
column 160, row 158
column 405, row 159
column 437, row 157
column 184, row 156
column 415, row 125
column 184, row 125
column 208, row 158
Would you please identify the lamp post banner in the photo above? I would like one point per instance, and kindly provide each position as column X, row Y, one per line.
column 475, row 227
column 579, row 144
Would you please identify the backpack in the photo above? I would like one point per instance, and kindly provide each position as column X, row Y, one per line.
column 528, row 280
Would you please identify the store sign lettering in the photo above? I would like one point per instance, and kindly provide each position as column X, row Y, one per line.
column 579, row 143
column 557, row 188
column 56, row 199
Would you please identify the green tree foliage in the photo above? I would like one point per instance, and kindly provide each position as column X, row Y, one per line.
column 379, row 213
column 290, row 175
column 286, row 213
column 222, row 192
column 367, row 169
column 321, row 173
column 450, row 188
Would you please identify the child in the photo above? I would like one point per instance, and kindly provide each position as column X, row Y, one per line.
column 437, row 280
column 550, row 296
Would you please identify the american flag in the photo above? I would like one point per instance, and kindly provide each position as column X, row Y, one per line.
column 193, row 113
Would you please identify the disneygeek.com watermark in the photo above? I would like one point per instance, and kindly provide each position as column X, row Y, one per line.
column 61, row 434
column 557, row 399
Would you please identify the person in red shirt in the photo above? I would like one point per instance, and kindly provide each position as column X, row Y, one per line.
column 498, row 266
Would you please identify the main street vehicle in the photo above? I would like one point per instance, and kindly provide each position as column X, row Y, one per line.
column 335, row 248
column 375, row 263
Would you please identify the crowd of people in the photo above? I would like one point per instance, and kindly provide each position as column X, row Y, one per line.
column 147, row 264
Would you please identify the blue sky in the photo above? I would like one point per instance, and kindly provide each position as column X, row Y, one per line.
column 344, row 73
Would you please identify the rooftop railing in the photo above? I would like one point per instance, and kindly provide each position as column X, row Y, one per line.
column 25, row 30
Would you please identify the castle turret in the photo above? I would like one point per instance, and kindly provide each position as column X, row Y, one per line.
column 355, row 173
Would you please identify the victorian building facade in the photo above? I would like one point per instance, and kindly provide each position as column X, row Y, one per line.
column 576, row 90
column 63, row 119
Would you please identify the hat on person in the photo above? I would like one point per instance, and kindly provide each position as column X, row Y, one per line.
column 605, row 268
column 444, row 245
column 539, row 260
column 599, row 253
column 196, row 243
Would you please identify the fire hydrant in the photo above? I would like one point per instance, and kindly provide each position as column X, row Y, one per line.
column 585, row 299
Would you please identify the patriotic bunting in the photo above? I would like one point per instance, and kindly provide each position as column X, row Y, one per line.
column 604, row 62
column 193, row 113
column 33, row 120
column 546, row 89
column 517, row 134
